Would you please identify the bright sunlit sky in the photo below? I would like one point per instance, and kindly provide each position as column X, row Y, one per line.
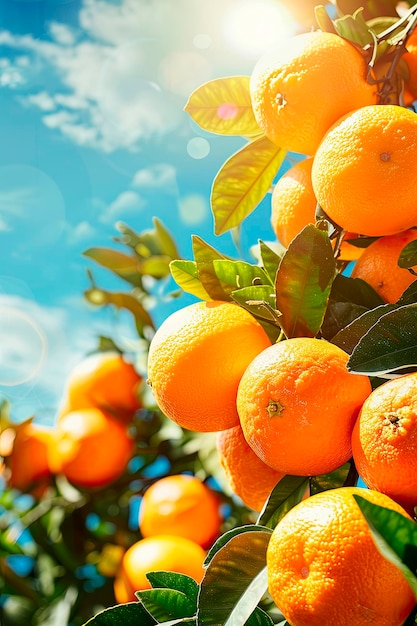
column 93, row 132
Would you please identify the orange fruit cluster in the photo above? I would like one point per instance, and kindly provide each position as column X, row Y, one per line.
column 355, row 154
column 90, row 443
column 179, row 517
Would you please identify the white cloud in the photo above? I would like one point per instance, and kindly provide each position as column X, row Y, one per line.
column 62, row 33
column 127, row 203
column 161, row 175
column 79, row 233
column 43, row 100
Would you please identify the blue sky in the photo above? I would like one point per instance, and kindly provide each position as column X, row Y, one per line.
column 93, row 132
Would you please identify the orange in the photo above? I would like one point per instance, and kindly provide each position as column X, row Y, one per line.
column 196, row 359
column 384, row 440
column 378, row 266
column 104, row 380
column 181, row 505
column 410, row 57
column 304, row 86
column 365, row 171
column 248, row 476
column 91, row 448
column 297, row 405
column 324, row 567
column 161, row 552
column 28, row 461
column 293, row 202
column 293, row 206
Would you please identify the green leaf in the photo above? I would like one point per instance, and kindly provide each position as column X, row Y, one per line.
column 166, row 604
column 389, row 345
column 238, row 274
column 286, row 494
column 129, row 614
column 270, row 259
column 174, row 580
column 408, row 256
column 260, row 302
column 243, row 181
column 395, row 536
column 224, row 106
column 246, row 610
column 230, row 573
column 226, row 537
column 166, row 241
column 186, row 276
column 204, row 256
column 349, row 337
column 355, row 29
column 342, row 477
column 100, row 297
column 303, row 282
column 123, row 265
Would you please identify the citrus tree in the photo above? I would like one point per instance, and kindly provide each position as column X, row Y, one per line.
column 291, row 378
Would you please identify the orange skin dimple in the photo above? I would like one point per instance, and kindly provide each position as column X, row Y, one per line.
column 384, row 440
column 322, row 553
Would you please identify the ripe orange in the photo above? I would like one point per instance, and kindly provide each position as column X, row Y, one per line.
column 384, row 440
column 299, row 90
column 162, row 552
column 91, row 448
column 104, row 380
column 293, row 206
column 378, row 266
column 365, row 172
column 28, row 461
column 297, row 405
column 410, row 57
column 248, row 476
column 196, row 359
column 293, row 203
column 181, row 505
column 324, row 567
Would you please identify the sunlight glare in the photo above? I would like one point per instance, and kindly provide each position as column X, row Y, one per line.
column 254, row 26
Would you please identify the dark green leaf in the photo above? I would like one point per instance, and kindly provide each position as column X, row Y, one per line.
column 174, row 580
column 395, row 536
column 355, row 291
column 166, row 604
column 389, row 345
column 130, row 614
column 408, row 256
column 343, row 476
column 231, row 571
column 186, row 276
column 286, row 494
column 258, row 618
column 243, row 181
column 204, row 256
column 349, row 337
column 303, row 282
column 226, row 537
